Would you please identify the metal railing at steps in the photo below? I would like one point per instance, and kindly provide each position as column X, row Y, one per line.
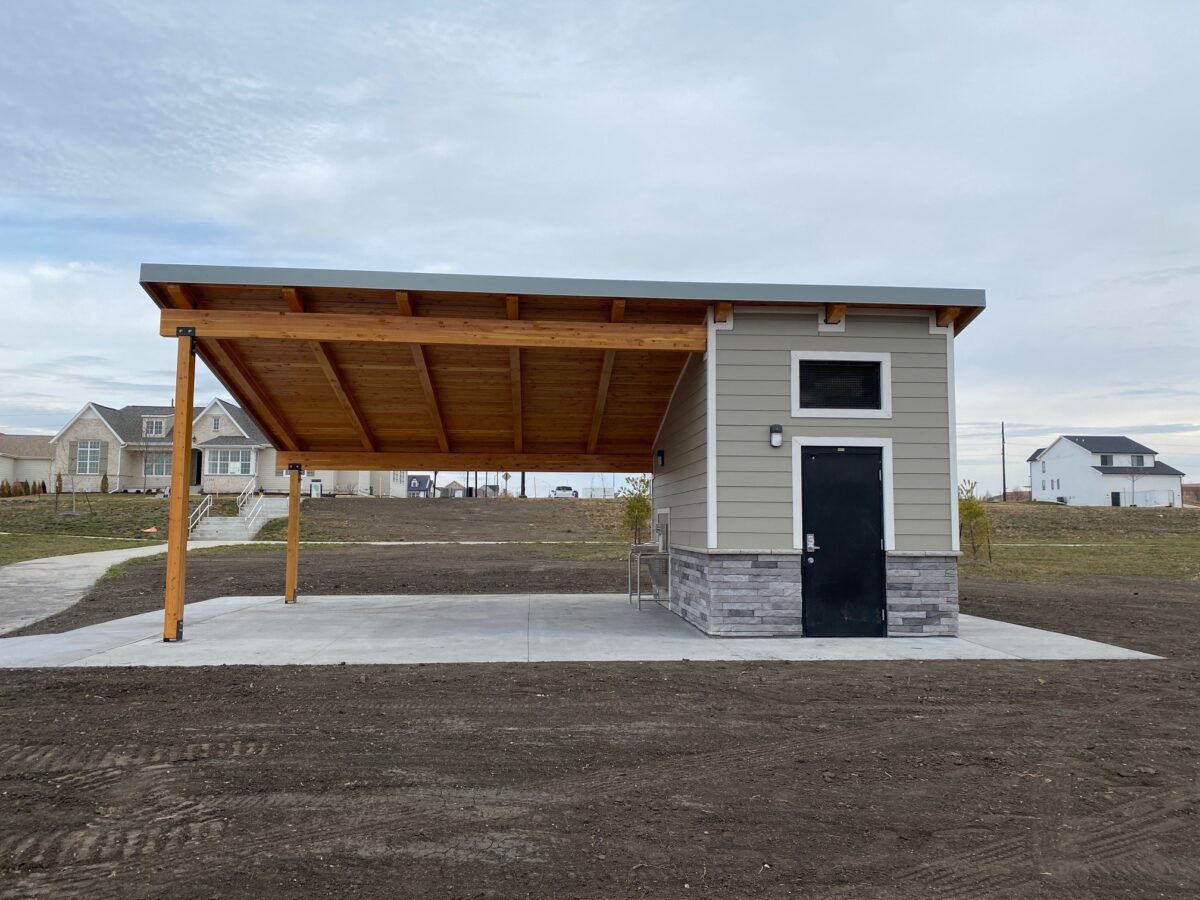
column 247, row 493
column 256, row 513
column 200, row 512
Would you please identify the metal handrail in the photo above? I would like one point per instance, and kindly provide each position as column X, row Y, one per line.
column 255, row 514
column 247, row 491
column 200, row 512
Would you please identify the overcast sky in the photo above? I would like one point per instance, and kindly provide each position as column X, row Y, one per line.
column 1046, row 152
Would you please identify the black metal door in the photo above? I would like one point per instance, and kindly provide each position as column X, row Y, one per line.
column 842, row 510
column 1116, row 498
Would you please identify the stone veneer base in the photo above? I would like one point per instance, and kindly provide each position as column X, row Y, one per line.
column 757, row 594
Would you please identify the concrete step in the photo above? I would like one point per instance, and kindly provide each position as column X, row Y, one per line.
column 272, row 508
column 221, row 528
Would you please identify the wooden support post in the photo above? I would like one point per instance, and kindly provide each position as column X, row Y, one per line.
column 293, row 534
column 181, row 465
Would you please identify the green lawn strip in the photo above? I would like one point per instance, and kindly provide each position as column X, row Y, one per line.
column 1166, row 557
column 99, row 515
column 20, row 547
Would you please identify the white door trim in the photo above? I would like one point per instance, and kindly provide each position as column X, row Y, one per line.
column 889, row 509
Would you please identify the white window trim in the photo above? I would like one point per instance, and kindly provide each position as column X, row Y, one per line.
column 889, row 502
column 216, row 423
column 885, row 384
column 153, row 420
column 163, row 457
column 79, row 447
column 210, row 457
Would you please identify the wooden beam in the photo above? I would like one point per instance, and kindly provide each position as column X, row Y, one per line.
column 834, row 313
column 946, row 315
column 446, row 462
column 292, row 565
column 177, row 512
column 617, row 314
column 512, row 310
column 232, row 372
column 721, row 313
column 426, row 380
column 290, row 326
column 337, row 382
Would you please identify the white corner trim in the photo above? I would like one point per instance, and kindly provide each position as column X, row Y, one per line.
column 953, row 429
column 889, row 504
column 710, row 424
column 885, row 384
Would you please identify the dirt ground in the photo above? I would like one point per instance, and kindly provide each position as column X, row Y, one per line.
column 507, row 519
column 666, row 780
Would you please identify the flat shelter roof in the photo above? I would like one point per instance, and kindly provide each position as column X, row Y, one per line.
column 401, row 370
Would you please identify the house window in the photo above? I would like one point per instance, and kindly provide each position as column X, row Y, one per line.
column 1043, row 484
column 841, row 384
column 152, row 427
column 1106, row 459
column 1137, row 460
column 216, row 420
column 227, row 462
column 1043, row 468
column 88, row 460
column 157, row 464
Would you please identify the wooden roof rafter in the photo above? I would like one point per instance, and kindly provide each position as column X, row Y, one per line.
column 616, row 314
column 404, row 305
column 512, row 311
column 337, row 382
column 222, row 358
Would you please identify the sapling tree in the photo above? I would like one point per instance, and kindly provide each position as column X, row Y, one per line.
column 974, row 529
column 636, row 515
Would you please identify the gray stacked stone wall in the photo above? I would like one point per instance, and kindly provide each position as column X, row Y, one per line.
column 737, row 594
column 922, row 595
column 758, row 594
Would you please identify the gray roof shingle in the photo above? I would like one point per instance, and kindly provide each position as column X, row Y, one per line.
column 1107, row 443
column 1159, row 468
column 127, row 423
column 26, row 446
column 1036, row 454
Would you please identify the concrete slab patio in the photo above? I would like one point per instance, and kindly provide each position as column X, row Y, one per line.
column 492, row 628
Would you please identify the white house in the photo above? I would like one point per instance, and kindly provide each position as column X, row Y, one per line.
column 132, row 446
column 25, row 457
column 1103, row 470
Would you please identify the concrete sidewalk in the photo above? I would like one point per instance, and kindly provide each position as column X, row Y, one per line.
column 491, row 628
column 37, row 588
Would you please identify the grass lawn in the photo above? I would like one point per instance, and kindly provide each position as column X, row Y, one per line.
column 100, row 515
column 20, row 547
column 1048, row 542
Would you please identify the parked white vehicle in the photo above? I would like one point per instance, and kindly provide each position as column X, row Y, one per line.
column 563, row 490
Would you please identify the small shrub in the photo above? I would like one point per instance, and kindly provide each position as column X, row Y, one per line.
column 58, row 483
column 974, row 529
column 17, row 490
column 5, row 488
column 636, row 515
column 43, row 489
column 104, row 483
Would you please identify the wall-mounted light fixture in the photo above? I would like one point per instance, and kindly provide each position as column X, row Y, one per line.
column 662, row 457
column 776, row 435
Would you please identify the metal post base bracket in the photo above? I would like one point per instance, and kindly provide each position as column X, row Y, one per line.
column 178, row 635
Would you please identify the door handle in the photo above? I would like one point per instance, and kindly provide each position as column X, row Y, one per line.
column 810, row 543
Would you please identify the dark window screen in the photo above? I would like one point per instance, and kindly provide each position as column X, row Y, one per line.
column 839, row 384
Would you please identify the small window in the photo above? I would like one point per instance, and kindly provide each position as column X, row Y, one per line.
column 88, row 461
column 1106, row 459
column 216, row 423
column 841, row 384
column 1043, row 484
column 1043, row 467
column 1137, row 460
column 152, row 427
column 157, row 464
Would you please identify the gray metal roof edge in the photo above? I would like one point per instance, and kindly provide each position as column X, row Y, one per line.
column 264, row 276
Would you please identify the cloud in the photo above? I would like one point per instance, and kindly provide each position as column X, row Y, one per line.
column 978, row 145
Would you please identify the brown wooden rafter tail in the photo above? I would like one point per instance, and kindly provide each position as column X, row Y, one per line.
column 834, row 313
column 722, row 311
column 946, row 315
column 222, row 359
column 404, row 305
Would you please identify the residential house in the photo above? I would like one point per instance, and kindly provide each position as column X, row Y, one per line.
column 1103, row 470
column 132, row 446
column 26, row 457
column 420, row 486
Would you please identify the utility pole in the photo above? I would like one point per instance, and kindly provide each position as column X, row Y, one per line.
column 522, row 485
column 1003, row 465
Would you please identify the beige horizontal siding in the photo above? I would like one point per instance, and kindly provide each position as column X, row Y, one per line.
column 754, row 391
